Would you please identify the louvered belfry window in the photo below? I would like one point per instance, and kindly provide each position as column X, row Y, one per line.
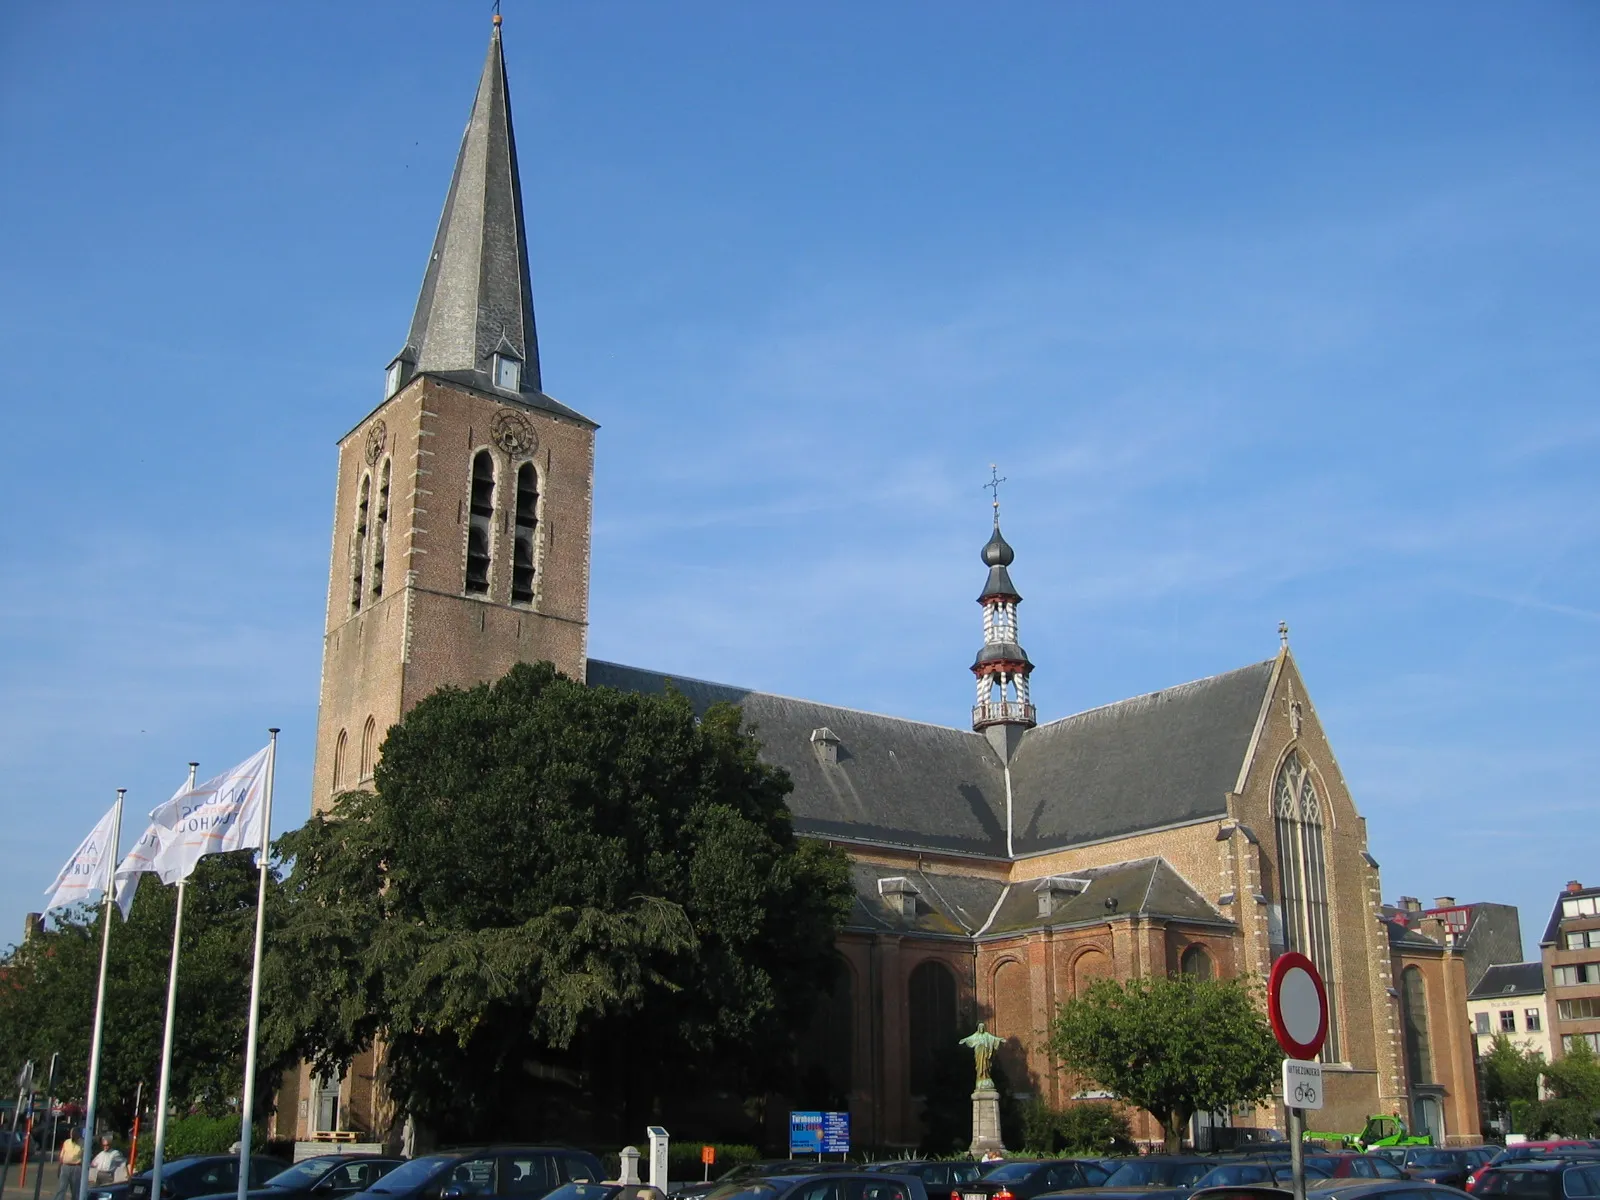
column 480, row 524
column 1303, row 871
column 358, row 543
column 525, row 543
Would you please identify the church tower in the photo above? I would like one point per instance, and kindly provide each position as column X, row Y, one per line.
column 1003, row 712
column 463, row 502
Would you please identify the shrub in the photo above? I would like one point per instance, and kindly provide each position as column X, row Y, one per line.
column 1089, row 1127
column 195, row 1135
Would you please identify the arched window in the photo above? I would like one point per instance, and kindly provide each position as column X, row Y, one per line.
column 358, row 543
column 1414, row 1015
column 931, row 991
column 1195, row 963
column 380, row 531
column 340, row 749
column 369, row 748
column 479, row 524
column 1303, row 875
column 526, row 534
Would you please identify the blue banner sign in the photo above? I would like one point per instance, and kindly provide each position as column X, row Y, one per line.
column 836, row 1133
column 805, row 1133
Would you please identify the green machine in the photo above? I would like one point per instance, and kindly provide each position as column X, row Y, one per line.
column 1382, row 1129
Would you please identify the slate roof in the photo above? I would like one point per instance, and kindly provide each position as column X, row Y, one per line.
column 476, row 298
column 1403, row 937
column 1152, row 761
column 1155, row 760
column 1552, row 929
column 895, row 782
column 1509, row 979
column 969, row 906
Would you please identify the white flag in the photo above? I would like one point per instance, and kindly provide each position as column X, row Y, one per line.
column 85, row 872
column 145, row 856
column 214, row 817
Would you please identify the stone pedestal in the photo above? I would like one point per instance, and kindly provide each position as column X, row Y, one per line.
column 986, row 1120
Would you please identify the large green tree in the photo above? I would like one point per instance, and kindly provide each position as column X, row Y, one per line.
column 1510, row 1076
column 557, row 891
column 1573, row 1083
column 47, row 999
column 1171, row 1046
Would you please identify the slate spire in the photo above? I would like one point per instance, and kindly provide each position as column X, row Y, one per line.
column 474, row 318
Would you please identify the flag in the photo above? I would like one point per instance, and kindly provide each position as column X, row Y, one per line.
column 145, row 856
column 214, row 817
column 85, row 872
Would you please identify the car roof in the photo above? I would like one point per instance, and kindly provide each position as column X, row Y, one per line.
column 1555, row 1163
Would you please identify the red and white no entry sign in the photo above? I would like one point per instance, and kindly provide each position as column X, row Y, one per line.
column 1297, row 1005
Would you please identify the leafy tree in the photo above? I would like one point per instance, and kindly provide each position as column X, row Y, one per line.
column 47, row 1001
column 558, row 894
column 1171, row 1046
column 1510, row 1076
column 1573, row 1081
column 1088, row 1127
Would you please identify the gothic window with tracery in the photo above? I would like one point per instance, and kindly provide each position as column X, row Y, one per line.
column 1303, row 874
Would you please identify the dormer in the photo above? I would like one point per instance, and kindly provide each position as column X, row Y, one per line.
column 399, row 372
column 506, row 370
column 826, row 743
column 1055, row 890
column 900, row 894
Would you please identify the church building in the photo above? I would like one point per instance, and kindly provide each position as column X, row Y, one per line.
column 999, row 867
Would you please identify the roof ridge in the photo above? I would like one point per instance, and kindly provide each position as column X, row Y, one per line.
column 1188, row 686
column 865, row 712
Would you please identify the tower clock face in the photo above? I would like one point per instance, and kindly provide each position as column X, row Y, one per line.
column 377, row 439
column 513, row 433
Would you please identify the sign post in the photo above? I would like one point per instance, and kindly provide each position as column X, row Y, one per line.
column 708, row 1155
column 1297, row 1005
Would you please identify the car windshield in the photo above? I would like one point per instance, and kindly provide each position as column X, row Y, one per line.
column 1157, row 1174
column 584, row 1191
column 304, row 1174
column 1235, row 1174
column 1433, row 1158
column 1011, row 1172
column 413, row 1174
column 753, row 1189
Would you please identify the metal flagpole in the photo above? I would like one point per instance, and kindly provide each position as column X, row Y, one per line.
column 107, row 902
column 247, row 1111
column 50, row 1106
column 159, row 1159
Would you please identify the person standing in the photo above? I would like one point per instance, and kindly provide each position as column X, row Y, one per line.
column 107, row 1163
column 69, row 1163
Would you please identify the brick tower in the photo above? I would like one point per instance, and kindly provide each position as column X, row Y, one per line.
column 462, row 510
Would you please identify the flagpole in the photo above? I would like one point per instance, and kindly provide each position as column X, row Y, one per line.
column 107, row 903
column 159, row 1159
column 247, row 1112
column 50, row 1107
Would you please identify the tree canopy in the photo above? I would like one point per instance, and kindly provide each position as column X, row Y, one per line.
column 47, row 997
column 1171, row 1046
column 1510, row 1076
column 1573, row 1083
column 560, row 887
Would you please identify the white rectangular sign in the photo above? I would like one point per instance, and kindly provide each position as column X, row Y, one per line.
column 1302, row 1083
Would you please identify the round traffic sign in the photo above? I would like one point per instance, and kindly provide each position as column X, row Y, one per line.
column 1297, row 1005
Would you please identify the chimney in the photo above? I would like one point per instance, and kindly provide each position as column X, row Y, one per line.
column 32, row 925
column 901, row 896
column 1410, row 904
column 1444, row 901
column 1573, row 887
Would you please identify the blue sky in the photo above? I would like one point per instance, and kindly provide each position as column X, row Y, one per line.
column 1267, row 312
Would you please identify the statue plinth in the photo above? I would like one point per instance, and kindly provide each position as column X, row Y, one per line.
column 986, row 1120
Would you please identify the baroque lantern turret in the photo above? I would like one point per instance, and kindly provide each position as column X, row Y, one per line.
column 1003, row 710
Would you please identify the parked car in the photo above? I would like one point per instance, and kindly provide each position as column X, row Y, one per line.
column 326, row 1175
column 1540, row 1179
column 195, row 1175
column 1352, row 1166
column 1534, row 1152
column 1023, row 1179
column 1435, row 1164
column 762, row 1168
column 603, row 1191
column 845, row 1184
column 528, row 1172
column 936, row 1175
column 11, row 1143
column 1335, row 1189
column 1140, row 1175
column 1175, row 1179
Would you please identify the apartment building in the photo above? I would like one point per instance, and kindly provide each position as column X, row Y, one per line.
column 1570, row 950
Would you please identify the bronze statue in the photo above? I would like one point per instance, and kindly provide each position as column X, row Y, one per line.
column 983, row 1045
